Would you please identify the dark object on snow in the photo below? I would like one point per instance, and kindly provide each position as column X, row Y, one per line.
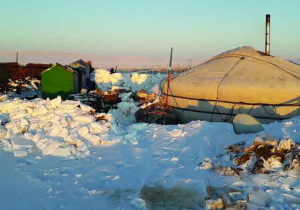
column 259, row 168
column 94, row 101
column 264, row 151
column 156, row 115
column 18, row 90
column 228, row 171
column 112, row 70
column 295, row 161
column 31, row 97
column 236, row 148
column 242, row 159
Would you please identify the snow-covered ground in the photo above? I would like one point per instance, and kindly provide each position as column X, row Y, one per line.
column 56, row 155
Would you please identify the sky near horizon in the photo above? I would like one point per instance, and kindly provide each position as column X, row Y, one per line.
column 197, row 29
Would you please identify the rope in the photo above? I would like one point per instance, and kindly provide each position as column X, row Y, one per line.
column 250, row 109
column 275, row 110
column 227, row 118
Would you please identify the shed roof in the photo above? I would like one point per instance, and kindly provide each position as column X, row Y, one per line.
column 38, row 65
column 64, row 67
column 81, row 63
column 11, row 64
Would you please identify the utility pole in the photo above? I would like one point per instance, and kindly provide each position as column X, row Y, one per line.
column 169, row 75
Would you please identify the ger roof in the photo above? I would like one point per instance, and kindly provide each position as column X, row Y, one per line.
column 241, row 75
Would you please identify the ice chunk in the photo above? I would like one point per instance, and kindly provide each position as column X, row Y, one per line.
column 139, row 204
column 20, row 153
column 176, row 133
column 140, row 126
column 138, row 78
column 84, row 118
column 42, row 110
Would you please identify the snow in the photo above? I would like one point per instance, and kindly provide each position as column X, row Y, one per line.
column 60, row 128
column 55, row 155
column 134, row 81
column 106, row 79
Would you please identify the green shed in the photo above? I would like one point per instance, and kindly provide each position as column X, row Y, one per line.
column 59, row 80
column 4, row 72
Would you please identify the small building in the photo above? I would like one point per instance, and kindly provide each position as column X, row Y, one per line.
column 4, row 72
column 84, row 69
column 14, row 69
column 17, row 71
column 34, row 70
column 59, row 80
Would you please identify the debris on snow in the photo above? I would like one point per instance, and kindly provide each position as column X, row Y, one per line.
column 227, row 171
column 156, row 115
column 144, row 97
column 206, row 164
column 286, row 145
column 16, row 87
column 221, row 197
column 214, row 204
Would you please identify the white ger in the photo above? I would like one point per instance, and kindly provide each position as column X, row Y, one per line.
column 241, row 80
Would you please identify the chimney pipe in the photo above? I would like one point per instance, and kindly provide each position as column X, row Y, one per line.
column 17, row 57
column 267, row 47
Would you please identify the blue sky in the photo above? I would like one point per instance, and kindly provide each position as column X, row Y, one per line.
column 196, row 29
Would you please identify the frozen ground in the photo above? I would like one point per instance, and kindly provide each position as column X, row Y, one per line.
column 55, row 155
